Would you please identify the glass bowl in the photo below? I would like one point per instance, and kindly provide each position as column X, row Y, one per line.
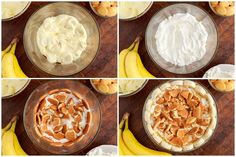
column 85, row 93
column 217, row 12
column 95, row 11
column 134, row 92
column 17, row 92
column 19, row 14
column 97, row 90
column 138, row 16
column 54, row 9
column 201, row 15
column 158, row 146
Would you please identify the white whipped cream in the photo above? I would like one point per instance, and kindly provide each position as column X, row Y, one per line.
column 61, row 39
column 10, row 9
column 181, row 39
column 220, row 71
column 131, row 9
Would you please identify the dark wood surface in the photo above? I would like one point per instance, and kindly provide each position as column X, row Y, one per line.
column 128, row 31
column 104, row 64
column 222, row 142
column 106, row 135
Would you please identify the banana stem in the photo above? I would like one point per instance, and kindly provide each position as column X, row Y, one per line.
column 13, row 126
column 125, row 116
column 13, row 43
column 8, row 126
column 13, row 49
column 133, row 44
column 137, row 41
column 127, row 122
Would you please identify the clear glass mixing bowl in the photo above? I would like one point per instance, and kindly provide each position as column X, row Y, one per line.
column 54, row 9
column 29, row 117
column 154, row 140
column 201, row 15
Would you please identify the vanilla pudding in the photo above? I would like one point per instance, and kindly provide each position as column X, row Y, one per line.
column 61, row 39
column 12, row 86
column 11, row 9
column 132, row 9
column 129, row 86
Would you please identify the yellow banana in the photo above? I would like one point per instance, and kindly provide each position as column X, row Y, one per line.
column 131, row 67
column 18, row 148
column 142, row 69
column 8, row 126
column 121, row 153
column 8, row 141
column 10, row 65
column 123, row 150
column 122, row 56
column 17, row 68
column 8, row 48
column 132, row 143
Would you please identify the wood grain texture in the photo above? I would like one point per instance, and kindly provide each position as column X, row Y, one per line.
column 104, row 64
column 222, row 142
column 128, row 30
column 106, row 135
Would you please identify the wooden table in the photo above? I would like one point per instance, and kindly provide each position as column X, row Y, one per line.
column 104, row 64
column 222, row 142
column 128, row 31
column 106, row 135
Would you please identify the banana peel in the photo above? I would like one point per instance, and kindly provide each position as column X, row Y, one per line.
column 10, row 65
column 130, row 63
column 136, row 147
column 10, row 143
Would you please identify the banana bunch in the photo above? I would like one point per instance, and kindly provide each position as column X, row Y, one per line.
column 128, row 144
column 10, row 65
column 130, row 63
column 10, row 143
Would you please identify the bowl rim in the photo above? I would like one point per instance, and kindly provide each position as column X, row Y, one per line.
column 74, row 151
column 136, row 91
column 76, row 72
column 19, row 14
column 150, row 136
column 216, row 48
column 19, row 91
column 139, row 15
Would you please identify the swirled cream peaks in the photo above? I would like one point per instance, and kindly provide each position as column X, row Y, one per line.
column 181, row 39
column 61, row 39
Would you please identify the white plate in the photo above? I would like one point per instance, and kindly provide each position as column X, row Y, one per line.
column 107, row 150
